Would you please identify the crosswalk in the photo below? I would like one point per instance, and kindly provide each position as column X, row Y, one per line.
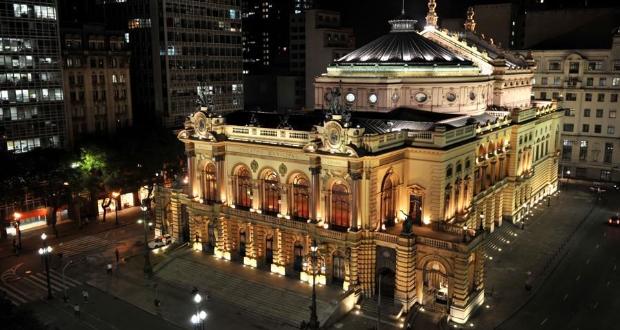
column 33, row 287
column 82, row 245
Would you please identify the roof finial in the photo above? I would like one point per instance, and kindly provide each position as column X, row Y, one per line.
column 402, row 12
column 431, row 16
column 470, row 23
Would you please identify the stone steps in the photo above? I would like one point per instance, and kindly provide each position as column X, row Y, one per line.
column 279, row 305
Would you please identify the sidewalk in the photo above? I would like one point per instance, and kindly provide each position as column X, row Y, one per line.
column 31, row 240
column 225, row 308
column 516, row 256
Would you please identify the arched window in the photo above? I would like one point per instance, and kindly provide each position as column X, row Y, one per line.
column 387, row 200
column 271, row 193
column 244, row 188
column 340, row 206
column 449, row 171
column 301, row 196
column 210, row 183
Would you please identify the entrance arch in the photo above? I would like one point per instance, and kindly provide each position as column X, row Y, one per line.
column 436, row 283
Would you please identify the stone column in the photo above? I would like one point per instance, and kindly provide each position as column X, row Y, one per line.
column 492, row 174
column 405, row 271
column 221, row 178
column 460, row 290
column 483, row 177
column 191, row 157
column 355, row 191
column 284, row 192
column 278, row 253
column 315, row 172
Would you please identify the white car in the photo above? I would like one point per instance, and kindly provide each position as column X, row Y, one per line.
column 160, row 241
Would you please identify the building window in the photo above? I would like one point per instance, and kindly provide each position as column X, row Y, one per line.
column 599, row 113
column 387, row 200
column 543, row 95
column 568, row 127
column 571, row 97
column 615, row 81
column 543, row 81
column 301, row 197
column 569, row 113
column 597, row 129
column 612, row 113
column 602, row 82
column 557, row 81
column 567, row 149
column 573, row 67
column 590, row 82
column 271, row 193
column 611, row 130
column 600, row 97
column 554, row 66
column 613, row 98
column 585, row 128
column 340, row 206
column 605, row 175
column 583, row 150
column 595, row 66
column 210, row 183
column 609, row 151
column 244, row 188
column 588, row 97
column 586, row 112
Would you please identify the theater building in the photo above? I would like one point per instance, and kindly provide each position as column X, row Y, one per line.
column 420, row 144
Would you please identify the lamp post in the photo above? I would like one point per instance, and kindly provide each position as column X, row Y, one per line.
column 116, row 203
column 148, row 270
column 45, row 251
column 314, row 320
column 198, row 319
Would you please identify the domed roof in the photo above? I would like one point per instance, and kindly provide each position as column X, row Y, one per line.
column 403, row 45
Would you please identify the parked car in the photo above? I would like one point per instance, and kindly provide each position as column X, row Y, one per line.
column 160, row 241
column 614, row 220
column 441, row 297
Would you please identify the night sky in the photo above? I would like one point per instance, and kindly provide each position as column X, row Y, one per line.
column 369, row 18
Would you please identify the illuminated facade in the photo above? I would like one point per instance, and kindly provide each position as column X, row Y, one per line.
column 31, row 95
column 411, row 155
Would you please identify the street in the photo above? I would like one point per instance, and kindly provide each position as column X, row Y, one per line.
column 582, row 291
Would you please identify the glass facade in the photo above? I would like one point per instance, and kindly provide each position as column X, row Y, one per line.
column 31, row 94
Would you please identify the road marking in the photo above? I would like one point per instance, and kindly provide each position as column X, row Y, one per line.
column 578, row 277
column 565, row 297
column 544, row 321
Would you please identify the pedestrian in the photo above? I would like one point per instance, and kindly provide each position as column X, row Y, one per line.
column 76, row 310
column 85, row 295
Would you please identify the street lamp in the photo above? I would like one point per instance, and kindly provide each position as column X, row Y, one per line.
column 115, row 196
column 45, row 252
column 148, row 270
column 313, row 324
column 199, row 318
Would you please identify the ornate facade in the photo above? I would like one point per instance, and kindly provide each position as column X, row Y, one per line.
column 413, row 154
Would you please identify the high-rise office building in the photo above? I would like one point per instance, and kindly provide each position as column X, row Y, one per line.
column 31, row 95
column 176, row 47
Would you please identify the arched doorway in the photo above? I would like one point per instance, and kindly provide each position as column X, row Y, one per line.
column 211, row 237
column 242, row 243
column 435, row 283
column 385, row 284
column 269, row 250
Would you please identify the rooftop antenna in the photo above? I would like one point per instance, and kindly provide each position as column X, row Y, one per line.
column 403, row 10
